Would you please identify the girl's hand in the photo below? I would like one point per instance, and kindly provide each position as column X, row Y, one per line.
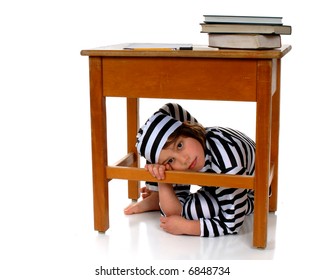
column 157, row 170
column 145, row 192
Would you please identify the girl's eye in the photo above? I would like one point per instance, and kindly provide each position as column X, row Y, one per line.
column 170, row 161
column 180, row 145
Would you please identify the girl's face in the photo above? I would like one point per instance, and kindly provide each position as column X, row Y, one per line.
column 185, row 154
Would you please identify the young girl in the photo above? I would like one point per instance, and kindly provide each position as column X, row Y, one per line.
column 172, row 139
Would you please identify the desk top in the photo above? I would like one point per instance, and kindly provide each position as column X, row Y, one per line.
column 198, row 51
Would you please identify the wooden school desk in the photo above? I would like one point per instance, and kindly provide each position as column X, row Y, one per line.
column 229, row 75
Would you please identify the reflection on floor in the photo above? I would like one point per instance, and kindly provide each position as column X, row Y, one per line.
column 140, row 236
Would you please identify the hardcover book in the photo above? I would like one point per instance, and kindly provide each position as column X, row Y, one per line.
column 242, row 19
column 244, row 41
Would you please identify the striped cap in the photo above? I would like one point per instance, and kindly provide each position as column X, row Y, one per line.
column 153, row 135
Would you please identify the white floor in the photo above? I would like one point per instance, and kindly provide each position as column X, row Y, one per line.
column 143, row 238
column 54, row 236
column 47, row 220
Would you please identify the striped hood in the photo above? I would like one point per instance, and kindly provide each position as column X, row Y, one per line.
column 153, row 135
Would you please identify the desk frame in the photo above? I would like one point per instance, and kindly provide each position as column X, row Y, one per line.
column 232, row 75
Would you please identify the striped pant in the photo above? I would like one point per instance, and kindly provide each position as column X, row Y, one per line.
column 204, row 205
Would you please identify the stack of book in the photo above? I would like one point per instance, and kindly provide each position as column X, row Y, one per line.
column 244, row 32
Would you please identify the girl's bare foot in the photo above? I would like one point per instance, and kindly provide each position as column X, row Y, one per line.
column 148, row 203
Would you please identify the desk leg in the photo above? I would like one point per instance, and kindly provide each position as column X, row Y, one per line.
column 275, row 138
column 263, row 148
column 99, row 145
column 132, row 130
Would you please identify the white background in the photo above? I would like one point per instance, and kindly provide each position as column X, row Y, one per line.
column 45, row 160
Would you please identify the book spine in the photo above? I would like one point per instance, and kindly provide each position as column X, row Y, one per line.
column 245, row 29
